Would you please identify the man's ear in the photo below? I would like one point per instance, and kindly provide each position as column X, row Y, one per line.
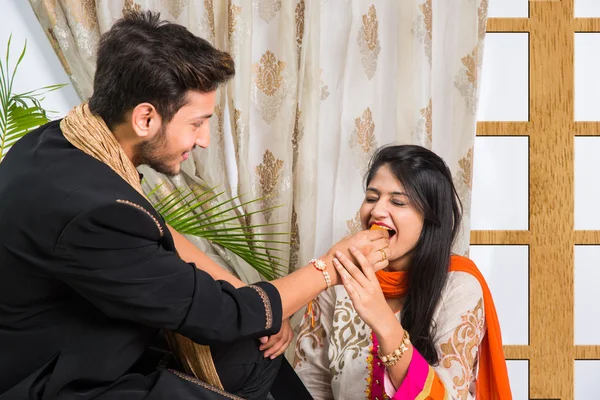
column 145, row 120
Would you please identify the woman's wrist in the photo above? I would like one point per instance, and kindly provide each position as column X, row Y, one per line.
column 389, row 334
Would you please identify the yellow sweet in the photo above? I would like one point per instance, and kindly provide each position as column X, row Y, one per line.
column 375, row 226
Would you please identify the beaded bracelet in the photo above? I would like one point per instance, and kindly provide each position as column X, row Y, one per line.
column 391, row 359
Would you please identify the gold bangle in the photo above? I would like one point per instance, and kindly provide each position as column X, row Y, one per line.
column 392, row 359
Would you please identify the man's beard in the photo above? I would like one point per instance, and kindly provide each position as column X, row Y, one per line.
column 151, row 153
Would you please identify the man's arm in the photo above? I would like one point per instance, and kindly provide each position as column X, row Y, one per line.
column 300, row 286
column 112, row 255
column 191, row 254
column 274, row 345
column 293, row 299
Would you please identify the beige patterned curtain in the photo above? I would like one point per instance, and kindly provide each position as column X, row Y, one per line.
column 320, row 84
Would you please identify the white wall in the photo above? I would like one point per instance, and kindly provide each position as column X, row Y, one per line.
column 41, row 66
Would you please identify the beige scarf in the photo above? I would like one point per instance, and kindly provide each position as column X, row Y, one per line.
column 89, row 133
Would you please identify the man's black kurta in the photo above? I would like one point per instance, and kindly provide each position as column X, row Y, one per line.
column 88, row 277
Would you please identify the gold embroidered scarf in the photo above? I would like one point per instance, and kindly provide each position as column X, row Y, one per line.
column 90, row 134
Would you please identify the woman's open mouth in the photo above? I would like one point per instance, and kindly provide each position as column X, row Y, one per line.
column 380, row 225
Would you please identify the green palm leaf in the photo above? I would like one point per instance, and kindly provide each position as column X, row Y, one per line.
column 19, row 113
column 200, row 213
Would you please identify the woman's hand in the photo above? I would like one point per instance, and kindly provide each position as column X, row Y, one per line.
column 374, row 245
column 275, row 345
column 368, row 300
column 365, row 292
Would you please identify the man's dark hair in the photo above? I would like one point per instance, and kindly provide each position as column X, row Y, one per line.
column 143, row 59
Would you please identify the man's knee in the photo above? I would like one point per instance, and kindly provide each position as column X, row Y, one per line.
column 244, row 370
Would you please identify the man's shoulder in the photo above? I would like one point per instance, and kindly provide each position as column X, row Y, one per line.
column 119, row 217
column 47, row 161
column 45, row 154
column 46, row 177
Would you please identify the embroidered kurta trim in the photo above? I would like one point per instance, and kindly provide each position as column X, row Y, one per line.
column 375, row 381
column 369, row 378
column 164, row 361
column 130, row 203
column 205, row 385
column 267, row 304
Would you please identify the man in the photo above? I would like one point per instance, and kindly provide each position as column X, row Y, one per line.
column 90, row 273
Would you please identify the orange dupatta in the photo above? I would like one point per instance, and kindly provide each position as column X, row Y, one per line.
column 492, row 379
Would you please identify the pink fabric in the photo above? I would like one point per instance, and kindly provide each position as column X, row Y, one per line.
column 412, row 386
column 379, row 371
column 388, row 386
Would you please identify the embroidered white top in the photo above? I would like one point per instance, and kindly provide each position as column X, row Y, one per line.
column 333, row 357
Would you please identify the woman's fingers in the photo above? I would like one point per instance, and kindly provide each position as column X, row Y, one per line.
column 348, row 281
column 352, row 269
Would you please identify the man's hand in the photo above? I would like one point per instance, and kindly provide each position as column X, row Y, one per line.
column 275, row 345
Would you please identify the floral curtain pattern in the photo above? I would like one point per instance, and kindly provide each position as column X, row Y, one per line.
column 319, row 86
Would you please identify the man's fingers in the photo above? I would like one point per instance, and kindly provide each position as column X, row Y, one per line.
column 275, row 347
column 269, row 343
column 280, row 348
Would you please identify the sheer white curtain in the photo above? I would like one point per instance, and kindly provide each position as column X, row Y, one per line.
column 320, row 84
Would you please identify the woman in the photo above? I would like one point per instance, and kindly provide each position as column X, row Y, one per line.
column 425, row 326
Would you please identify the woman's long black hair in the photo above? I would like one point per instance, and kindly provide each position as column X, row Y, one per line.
column 428, row 183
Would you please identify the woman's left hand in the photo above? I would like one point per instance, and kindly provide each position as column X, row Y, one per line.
column 364, row 290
